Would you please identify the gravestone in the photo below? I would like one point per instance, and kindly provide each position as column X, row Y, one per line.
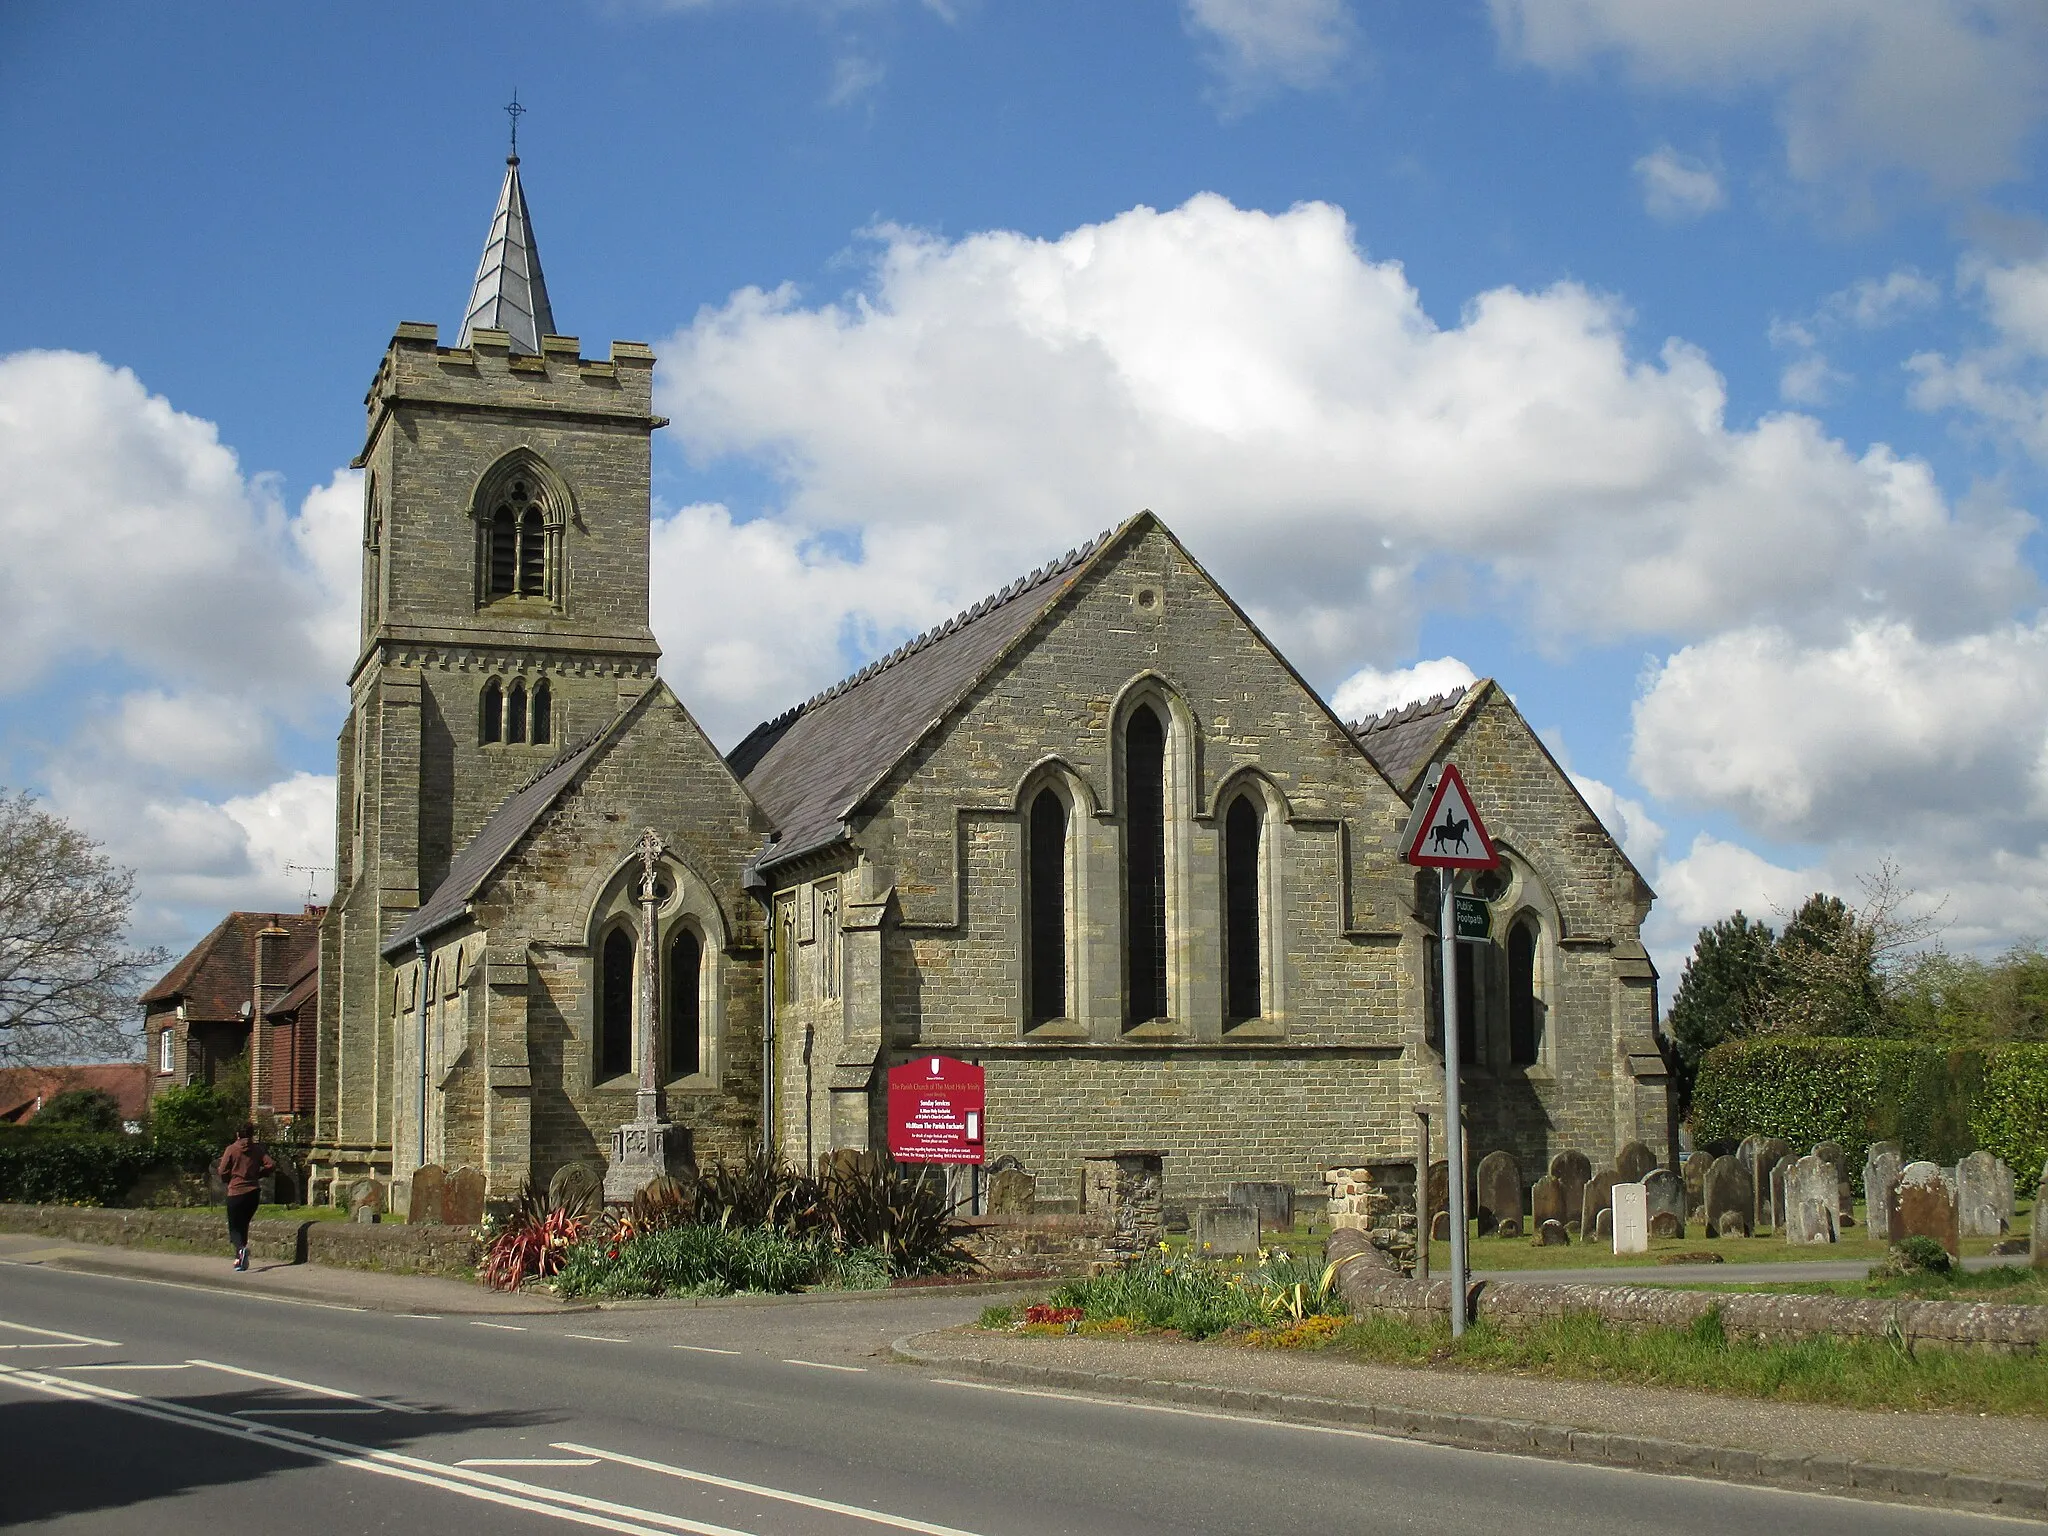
column 1664, row 1195
column 365, row 1200
column 1727, row 1194
column 1222, row 1230
column 1881, row 1167
column 1572, row 1168
column 1546, row 1202
column 2039, row 1242
column 1012, row 1192
column 1500, row 1191
column 1633, row 1161
column 1810, row 1209
column 1845, row 1193
column 1508, row 1226
column 428, row 1181
column 1770, row 1152
column 1631, row 1211
column 1745, row 1154
column 1440, row 1227
column 1695, row 1175
column 462, row 1198
column 576, row 1187
column 1924, row 1205
column 1439, row 1187
column 1778, row 1172
column 1598, row 1196
column 1983, row 1196
column 1273, row 1202
column 1603, row 1224
column 1551, row 1234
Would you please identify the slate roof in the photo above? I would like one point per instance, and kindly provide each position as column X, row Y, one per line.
column 811, row 766
column 217, row 975
column 1403, row 741
column 510, row 294
column 511, row 821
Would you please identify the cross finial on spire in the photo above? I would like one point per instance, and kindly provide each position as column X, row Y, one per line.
column 515, row 111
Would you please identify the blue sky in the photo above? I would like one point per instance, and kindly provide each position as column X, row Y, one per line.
column 1682, row 366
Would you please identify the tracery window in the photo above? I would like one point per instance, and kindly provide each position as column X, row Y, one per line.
column 1144, row 866
column 1243, row 958
column 1525, row 1010
column 1045, row 936
column 519, row 554
column 828, row 940
column 615, row 1004
column 493, row 711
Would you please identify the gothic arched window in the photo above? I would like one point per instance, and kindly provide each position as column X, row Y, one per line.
column 1243, row 960
column 543, row 718
column 1144, row 866
column 533, row 554
column 1045, row 934
column 685, row 1004
column 493, row 711
column 1525, row 1012
column 615, row 1005
column 504, row 553
column 515, row 712
column 521, row 514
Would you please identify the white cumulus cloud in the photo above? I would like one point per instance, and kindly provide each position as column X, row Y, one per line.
column 1255, row 45
column 1677, row 187
column 1370, row 691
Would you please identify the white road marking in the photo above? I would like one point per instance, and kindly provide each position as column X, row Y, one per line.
column 506, row 1327
column 306, row 1386
column 703, row 1349
column 820, row 1365
column 431, row 1317
column 853, row 1511
column 45, row 1346
column 596, row 1338
column 508, row 1492
column 124, row 1367
column 54, row 1333
column 529, row 1461
column 299, row 1413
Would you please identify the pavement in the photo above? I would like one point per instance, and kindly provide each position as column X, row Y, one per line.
column 756, row 1416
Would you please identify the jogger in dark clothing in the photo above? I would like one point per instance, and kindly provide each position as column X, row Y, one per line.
column 242, row 1166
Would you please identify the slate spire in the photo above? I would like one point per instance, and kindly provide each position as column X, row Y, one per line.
column 511, row 295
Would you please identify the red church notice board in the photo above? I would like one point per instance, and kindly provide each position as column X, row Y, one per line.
column 936, row 1111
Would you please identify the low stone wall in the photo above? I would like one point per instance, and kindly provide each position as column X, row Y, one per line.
column 1370, row 1287
column 425, row 1249
column 1040, row 1244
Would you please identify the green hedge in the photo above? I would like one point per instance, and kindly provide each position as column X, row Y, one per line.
column 1936, row 1103
column 72, row 1168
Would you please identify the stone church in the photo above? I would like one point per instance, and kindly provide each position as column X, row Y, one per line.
column 1095, row 834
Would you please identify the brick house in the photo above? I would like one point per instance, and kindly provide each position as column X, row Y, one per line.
column 25, row 1090
column 1095, row 833
column 249, row 989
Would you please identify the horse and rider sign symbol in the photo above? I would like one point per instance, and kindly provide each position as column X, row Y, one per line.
column 1446, row 832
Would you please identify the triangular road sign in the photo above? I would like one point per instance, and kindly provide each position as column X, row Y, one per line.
column 1448, row 834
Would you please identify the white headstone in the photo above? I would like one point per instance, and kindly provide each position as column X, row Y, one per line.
column 1631, row 1219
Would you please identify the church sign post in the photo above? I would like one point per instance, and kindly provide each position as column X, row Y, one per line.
column 1446, row 834
column 937, row 1111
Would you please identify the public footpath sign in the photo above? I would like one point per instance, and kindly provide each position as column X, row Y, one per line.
column 1474, row 919
column 1447, row 834
column 937, row 1111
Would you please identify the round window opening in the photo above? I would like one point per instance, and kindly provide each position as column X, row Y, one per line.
column 1490, row 884
column 1147, row 598
column 663, row 890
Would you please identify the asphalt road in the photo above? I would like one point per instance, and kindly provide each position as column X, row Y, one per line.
column 127, row 1405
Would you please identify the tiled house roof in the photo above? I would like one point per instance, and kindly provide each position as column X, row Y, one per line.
column 24, row 1090
column 216, row 976
column 810, row 768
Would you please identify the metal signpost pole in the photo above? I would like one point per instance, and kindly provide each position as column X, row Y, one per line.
column 1454, row 1141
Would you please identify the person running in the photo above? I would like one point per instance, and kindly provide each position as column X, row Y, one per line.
column 241, row 1166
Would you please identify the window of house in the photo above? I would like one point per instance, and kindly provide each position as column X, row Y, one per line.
column 493, row 711
column 1243, row 826
column 685, row 1004
column 615, row 1005
column 1144, row 866
column 543, row 717
column 166, row 1052
column 1045, row 936
column 515, row 713
column 1525, row 1013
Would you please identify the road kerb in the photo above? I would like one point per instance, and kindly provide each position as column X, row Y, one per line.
column 1834, row 1475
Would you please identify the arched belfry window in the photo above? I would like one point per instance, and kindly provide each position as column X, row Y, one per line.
column 543, row 716
column 685, row 1004
column 515, row 712
column 520, row 511
column 1243, row 903
column 493, row 712
column 1145, row 802
column 615, row 1004
column 1046, row 898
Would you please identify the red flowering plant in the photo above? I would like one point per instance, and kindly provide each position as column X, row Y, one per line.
column 532, row 1241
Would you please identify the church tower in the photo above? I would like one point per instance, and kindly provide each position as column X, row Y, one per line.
column 504, row 617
